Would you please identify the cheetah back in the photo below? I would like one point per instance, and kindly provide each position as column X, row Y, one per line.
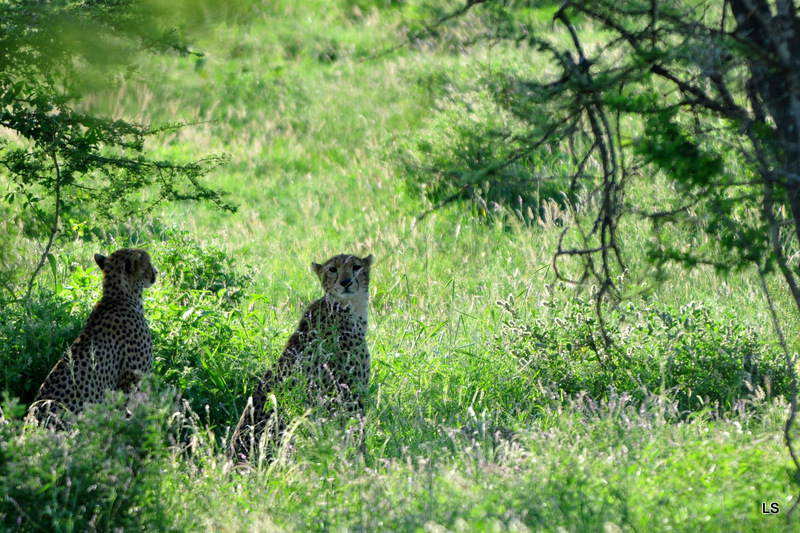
column 115, row 347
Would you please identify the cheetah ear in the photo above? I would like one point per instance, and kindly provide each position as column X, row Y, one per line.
column 132, row 263
column 368, row 260
column 100, row 259
column 316, row 268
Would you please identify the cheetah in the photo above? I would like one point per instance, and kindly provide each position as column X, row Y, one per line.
column 327, row 356
column 115, row 348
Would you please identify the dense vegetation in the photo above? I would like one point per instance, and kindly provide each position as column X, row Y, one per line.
column 495, row 404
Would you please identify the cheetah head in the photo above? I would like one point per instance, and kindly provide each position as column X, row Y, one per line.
column 128, row 270
column 345, row 278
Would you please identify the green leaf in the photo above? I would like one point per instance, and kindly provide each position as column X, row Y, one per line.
column 51, row 259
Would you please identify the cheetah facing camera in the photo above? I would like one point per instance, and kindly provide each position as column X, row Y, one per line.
column 115, row 347
column 327, row 356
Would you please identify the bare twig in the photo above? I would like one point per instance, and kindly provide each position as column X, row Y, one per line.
column 777, row 250
column 53, row 229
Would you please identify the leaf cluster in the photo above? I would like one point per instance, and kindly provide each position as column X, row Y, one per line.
column 62, row 162
column 100, row 476
column 37, row 336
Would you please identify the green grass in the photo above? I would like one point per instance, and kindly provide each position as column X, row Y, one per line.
column 477, row 420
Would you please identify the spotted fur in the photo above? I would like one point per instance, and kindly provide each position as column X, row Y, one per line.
column 115, row 348
column 327, row 354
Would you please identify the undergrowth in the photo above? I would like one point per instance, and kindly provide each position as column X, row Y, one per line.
column 150, row 462
column 692, row 353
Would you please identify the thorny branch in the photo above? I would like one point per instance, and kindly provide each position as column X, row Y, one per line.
column 713, row 63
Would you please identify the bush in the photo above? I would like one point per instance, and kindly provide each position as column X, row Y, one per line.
column 188, row 266
column 34, row 335
column 689, row 352
column 472, row 151
column 106, row 473
column 206, row 334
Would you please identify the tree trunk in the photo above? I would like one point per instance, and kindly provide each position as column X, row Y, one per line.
column 775, row 70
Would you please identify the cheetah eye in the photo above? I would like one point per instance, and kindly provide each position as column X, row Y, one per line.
column 332, row 270
column 356, row 268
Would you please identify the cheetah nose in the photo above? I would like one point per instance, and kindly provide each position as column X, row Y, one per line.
column 346, row 282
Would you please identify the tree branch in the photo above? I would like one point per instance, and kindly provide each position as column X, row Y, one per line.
column 53, row 229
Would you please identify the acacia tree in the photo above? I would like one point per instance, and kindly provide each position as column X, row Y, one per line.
column 702, row 97
column 59, row 160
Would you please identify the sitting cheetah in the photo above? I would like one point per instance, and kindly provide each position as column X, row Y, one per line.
column 115, row 347
column 327, row 355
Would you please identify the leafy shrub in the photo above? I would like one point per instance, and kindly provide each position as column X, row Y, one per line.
column 190, row 266
column 703, row 360
column 205, row 349
column 205, row 331
column 35, row 336
column 472, row 150
column 105, row 474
